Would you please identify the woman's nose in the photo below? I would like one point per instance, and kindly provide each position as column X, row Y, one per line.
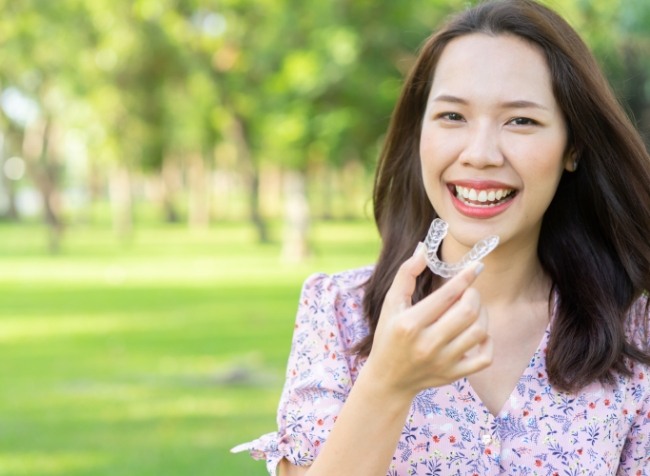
column 482, row 147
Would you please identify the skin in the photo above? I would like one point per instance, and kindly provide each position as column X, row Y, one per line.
column 476, row 129
column 489, row 119
column 415, row 347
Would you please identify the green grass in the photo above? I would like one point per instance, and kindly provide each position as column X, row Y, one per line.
column 153, row 358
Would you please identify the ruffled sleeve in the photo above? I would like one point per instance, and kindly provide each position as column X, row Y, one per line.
column 635, row 456
column 320, row 371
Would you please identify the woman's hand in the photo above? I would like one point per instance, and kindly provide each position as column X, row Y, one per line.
column 434, row 342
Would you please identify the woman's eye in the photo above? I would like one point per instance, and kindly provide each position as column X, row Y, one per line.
column 522, row 121
column 451, row 116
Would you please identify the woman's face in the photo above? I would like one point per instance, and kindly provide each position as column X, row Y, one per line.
column 493, row 141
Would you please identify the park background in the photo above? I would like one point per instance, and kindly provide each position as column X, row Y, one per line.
column 170, row 172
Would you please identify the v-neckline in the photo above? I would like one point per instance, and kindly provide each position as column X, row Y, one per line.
column 538, row 353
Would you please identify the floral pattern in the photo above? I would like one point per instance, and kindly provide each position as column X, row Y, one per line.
column 602, row 430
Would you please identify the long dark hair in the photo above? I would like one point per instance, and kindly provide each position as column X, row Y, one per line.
column 595, row 235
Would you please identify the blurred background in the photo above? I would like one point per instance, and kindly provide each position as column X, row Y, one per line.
column 170, row 172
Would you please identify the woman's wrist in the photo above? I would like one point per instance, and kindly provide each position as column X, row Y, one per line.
column 373, row 381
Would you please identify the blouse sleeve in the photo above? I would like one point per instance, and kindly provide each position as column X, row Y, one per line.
column 319, row 376
column 635, row 457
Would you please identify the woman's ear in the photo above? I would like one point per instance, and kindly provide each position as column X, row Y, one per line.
column 571, row 161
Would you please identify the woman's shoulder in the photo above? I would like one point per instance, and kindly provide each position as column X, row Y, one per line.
column 348, row 280
column 335, row 288
column 638, row 324
column 335, row 302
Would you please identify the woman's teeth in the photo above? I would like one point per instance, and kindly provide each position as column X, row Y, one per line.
column 487, row 198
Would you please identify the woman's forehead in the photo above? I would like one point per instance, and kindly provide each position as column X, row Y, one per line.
column 504, row 68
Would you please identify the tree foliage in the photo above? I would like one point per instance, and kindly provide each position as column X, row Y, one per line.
column 153, row 86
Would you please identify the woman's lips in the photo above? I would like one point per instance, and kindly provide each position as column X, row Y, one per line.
column 481, row 200
column 482, row 197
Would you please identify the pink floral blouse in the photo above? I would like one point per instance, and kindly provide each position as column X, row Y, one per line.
column 602, row 430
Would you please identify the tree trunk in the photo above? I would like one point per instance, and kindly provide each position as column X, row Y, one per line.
column 170, row 182
column 251, row 170
column 51, row 206
column 38, row 152
column 11, row 209
column 323, row 188
column 198, row 192
column 254, row 206
column 121, row 201
column 295, row 244
column 7, row 185
column 353, row 189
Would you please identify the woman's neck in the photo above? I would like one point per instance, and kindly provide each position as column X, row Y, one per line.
column 513, row 275
column 509, row 279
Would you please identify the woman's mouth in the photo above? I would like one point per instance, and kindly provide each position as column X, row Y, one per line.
column 485, row 198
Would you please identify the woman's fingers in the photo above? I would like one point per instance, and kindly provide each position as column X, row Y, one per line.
column 477, row 360
column 436, row 341
column 440, row 301
column 458, row 331
column 400, row 294
column 462, row 316
column 464, row 339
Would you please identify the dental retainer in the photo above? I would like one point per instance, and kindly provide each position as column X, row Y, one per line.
column 437, row 231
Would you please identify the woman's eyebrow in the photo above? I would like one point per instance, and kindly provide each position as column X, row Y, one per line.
column 449, row 98
column 522, row 103
column 516, row 104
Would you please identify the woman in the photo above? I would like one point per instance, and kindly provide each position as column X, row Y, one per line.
column 534, row 361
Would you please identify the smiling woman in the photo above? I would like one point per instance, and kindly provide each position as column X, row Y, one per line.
column 533, row 361
column 491, row 126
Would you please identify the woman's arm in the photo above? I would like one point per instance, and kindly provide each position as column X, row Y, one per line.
column 287, row 469
column 415, row 347
column 364, row 436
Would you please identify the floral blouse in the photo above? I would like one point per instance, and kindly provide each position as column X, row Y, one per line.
column 602, row 430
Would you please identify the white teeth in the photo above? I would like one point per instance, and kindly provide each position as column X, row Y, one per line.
column 487, row 197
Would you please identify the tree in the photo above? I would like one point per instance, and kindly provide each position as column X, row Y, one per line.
column 38, row 42
column 154, row 88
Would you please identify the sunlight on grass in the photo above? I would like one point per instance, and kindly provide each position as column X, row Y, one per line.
column 188, row 406
column 43, row 328
column 151, row 359
column 42, row 463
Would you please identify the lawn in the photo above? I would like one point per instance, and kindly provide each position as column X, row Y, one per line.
column 153, row 358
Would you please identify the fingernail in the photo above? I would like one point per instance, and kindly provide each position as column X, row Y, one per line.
column 478, row 267
column 420, row 249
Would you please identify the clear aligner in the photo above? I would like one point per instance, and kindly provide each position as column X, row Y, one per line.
column 437, row 231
